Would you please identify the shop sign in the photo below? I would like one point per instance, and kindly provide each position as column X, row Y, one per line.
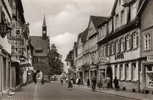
column 150, row 58
column 119, row 56
column 104, row 60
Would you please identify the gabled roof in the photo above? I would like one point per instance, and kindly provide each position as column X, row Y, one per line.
column 40, row 44
column 84, row 35
column 97, row 20
column 142, row 5
column 114, row 6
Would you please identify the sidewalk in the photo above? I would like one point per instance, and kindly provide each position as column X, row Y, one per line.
column 24, row 93
column 137, row 96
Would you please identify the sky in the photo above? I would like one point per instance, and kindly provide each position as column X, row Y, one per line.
column 65, row 18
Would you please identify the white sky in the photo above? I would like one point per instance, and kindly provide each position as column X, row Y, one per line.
column 65, row 18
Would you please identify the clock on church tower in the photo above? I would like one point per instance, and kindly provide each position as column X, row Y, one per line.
column 44, row 29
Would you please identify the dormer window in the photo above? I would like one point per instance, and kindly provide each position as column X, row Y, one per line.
column 39, row 51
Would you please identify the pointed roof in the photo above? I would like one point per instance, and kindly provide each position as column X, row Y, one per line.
column 97, row 20
column 44, row 21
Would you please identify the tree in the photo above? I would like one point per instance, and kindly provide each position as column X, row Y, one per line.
column 55, row 61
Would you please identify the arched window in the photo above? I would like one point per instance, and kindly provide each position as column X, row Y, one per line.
column 147, row 42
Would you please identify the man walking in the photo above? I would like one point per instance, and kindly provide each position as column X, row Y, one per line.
column 94, row 81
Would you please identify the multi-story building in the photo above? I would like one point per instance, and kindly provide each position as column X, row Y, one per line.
column 87, row 54
column 121, row 44
column 70, row 64
column 5, row 47
column 18, row 38
column 146, row 70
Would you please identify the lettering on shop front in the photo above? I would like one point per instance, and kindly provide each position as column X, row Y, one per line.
column 119, row 56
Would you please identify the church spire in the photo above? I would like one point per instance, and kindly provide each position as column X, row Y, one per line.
column 44, row 21
column 44, row 29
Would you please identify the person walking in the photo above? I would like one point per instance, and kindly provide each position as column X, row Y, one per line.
column 94, row 81
column 116, row 83
column 88, row 82
column 39, row 76
column 61, row 81
column 34, row 77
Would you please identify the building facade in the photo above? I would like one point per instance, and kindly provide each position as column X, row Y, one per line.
column 146, row 72
column 87, row 50
column 18, row 38
column 41, row 47
column 120, row 46
column 5, row 47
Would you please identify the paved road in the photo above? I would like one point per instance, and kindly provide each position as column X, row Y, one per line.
column 54, row 91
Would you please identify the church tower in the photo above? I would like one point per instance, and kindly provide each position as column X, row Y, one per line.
column 44, row 29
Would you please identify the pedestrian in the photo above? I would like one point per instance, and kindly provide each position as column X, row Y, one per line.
column 94, row 82
column 39, row 76
column 88, row 82
column 34, row 77
column 61, row 81
column 116, row 83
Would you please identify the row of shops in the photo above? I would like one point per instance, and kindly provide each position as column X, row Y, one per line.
column 118, row 46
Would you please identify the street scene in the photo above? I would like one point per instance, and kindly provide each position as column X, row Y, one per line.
column 54, row 91
column 76, row 50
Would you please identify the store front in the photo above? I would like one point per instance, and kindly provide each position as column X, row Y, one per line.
column 149, row 75
column 101, row 72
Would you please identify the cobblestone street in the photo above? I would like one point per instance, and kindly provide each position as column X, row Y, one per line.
column 54, row 91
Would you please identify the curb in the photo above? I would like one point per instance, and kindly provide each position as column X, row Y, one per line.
column 118, row 95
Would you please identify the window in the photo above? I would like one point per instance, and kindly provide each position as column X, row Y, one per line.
column 106, row 50
column 133, row 11
column 135, row 40
column 110, row 26
column 122, row 41
column 128, row 42
column 117, row 21
column 113, row 48
column 35, row 60
column 39, row 51
column 115, row 71
column 147, row 42
column 122, row 17
column 133, row 71
column 118, row 46
column 127, row 71
column 121, row 72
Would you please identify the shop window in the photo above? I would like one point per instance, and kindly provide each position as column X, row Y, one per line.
column 127, row 70
column 133, row 71
column 121, row 72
